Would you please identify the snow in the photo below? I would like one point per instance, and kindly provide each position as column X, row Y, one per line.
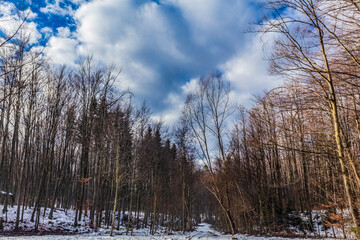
column 203, row 231
column 63, row 222
column 4, row 193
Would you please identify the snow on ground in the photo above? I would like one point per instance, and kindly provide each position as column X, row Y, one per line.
column 63, row 222
column 203, row 232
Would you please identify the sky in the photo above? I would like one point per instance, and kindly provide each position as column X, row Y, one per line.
column 162, row 46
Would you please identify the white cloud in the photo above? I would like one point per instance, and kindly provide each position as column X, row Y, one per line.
column 133, row 70
column 55, row 8
column 62, row 50
column 78, row 2
column 63, row 32
column 190, row 86
column 171, row 114
column 248, row 72
column 11, row 20
column 47, row 32
column 122, row 32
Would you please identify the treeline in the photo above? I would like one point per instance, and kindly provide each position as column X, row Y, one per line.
column 297, row 149
column 71, row 140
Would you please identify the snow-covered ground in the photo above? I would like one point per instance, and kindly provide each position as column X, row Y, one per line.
column 63, row 222
column 203, row 232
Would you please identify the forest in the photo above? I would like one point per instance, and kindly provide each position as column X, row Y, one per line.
column 71, row 139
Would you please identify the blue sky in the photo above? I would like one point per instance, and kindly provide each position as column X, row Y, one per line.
column 163, row 46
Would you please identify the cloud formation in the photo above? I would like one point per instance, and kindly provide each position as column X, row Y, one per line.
column 164, row 45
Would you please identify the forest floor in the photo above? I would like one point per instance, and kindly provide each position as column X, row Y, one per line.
column 61, row 227
column 203, row 231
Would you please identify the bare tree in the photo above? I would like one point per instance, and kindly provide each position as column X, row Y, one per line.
column 206, row 110
column 305, row 50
